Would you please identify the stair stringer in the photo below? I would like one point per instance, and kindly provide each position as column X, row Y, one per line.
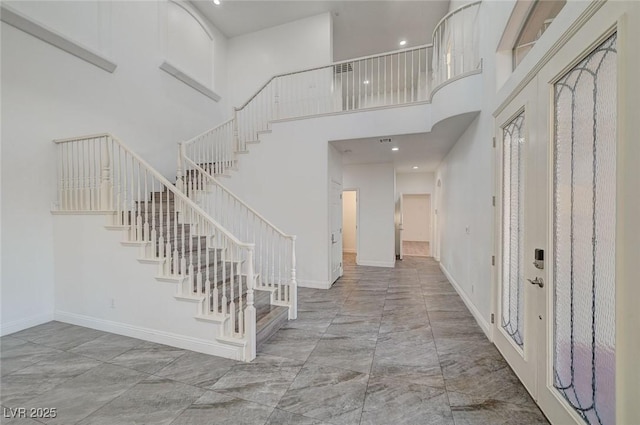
column 101, row 284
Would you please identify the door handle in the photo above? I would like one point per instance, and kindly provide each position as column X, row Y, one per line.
column 537, row 281
column 333, row 239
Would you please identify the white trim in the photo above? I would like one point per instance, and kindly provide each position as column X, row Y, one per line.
column 353, row 111
column 83, row 212
column 314, row 284
column 484, row 325
column 24, row 23
column 187, row 343
column 190, row 81
column 376, row 263
column 28, row 322
column 350, row 251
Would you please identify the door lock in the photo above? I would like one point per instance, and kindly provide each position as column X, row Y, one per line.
column 537, row 281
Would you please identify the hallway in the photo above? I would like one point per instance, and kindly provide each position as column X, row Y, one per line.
column 382, row 346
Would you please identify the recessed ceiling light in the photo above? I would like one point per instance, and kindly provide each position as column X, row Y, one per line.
column 216, row 2
column 415, row 167
column 365, row 82
column 403, row 42
column 395, row 148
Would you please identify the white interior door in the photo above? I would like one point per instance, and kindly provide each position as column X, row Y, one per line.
column 557, row 144
column 336, row 230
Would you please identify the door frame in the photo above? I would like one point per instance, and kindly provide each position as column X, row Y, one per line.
column 586, row 32
column 357, row 191
column 431, row 215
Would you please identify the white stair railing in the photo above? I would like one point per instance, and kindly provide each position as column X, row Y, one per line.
column 275, row 259
column 209, row 263
column 456, row 44
column 388, row 79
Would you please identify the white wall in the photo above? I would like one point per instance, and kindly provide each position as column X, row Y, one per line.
column 375, row 184
column 48, row 93
column 111, row 291
column 349, row 221
column 465, row 216
column 286, row 176
column 412, row 183
column 416, row 213
column 256, row 57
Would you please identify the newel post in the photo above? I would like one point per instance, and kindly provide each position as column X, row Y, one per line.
column 180, row 170
column 250, row 310
column 106, row 183
column 293, row 291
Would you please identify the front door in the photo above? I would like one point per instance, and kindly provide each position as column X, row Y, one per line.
column 556, row 156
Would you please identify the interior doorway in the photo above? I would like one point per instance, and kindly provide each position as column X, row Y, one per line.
column 415, row 235
column 350, row 226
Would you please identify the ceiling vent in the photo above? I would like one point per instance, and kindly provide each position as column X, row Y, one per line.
column 386, row 140
column 342, row 68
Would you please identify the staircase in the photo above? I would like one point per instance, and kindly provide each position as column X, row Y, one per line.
column 235, row 266
column 209, row 266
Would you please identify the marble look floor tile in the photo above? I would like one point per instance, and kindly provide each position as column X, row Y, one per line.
column 396, row 321
column 421, row 375
column 77, row 398
column 469, row 411
column 292, row 343
column 344, row 352
column 500, row 384
column 19, row 421
column 31, row 381
column 397, row 349
column 464, row 330
column 17, row 354
column 450, row 302
column 263, row 381
column 402, row 403
column 314, row 321
column 213, row 408
column 69, row 337
column 282, row 417
column 354, row 326
column 197, row 369
column 107, row 346
column 39, row 331
column 155, row 401
column 329, row 394
column 148, row 357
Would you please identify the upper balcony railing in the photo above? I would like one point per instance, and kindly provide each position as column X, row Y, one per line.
column 392, row 78
column 455, row 44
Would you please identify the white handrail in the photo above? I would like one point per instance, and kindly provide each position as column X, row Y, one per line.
column 450, row 14
column 274, row 250
column 208, row 262
column 392, row 52
column 231, row 194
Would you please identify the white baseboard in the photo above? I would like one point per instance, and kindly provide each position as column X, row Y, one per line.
column 314, row 284
column 484, row 325
column 376, row 263
column 349, row 251
column 175, row 340
column 21, row 324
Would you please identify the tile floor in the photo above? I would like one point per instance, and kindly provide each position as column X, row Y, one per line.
column 383, row 346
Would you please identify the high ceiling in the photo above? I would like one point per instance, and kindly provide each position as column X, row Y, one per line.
column 360, row 27
column 422, row 150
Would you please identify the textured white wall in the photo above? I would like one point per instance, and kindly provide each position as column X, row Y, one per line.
column 416, row 212
column 465, row 216
column 375, row 184
column 47, row 94
column 256, row 57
